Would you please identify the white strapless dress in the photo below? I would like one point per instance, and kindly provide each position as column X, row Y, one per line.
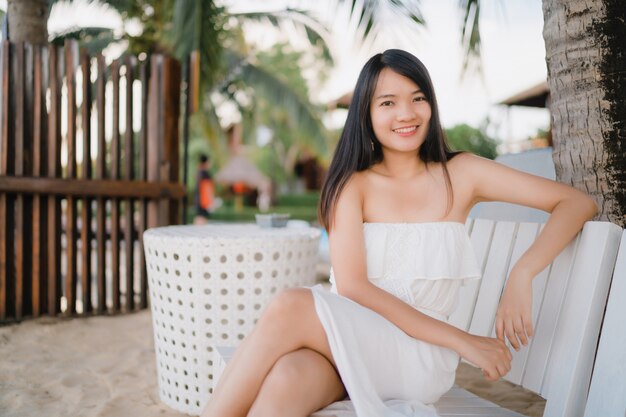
column 386, row 372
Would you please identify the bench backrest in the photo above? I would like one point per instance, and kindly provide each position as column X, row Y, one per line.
column 569, row 297
column 607, row 395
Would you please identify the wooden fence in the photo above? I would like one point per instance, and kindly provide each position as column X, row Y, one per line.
column 88, row 160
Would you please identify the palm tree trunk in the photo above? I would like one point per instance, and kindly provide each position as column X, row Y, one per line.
column 586, row 61
column 28, row 21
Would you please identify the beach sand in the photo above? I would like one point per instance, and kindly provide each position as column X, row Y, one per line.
column 105, row 366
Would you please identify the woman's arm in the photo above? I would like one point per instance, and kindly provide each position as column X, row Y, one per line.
column 569, row 208
column 347, row 252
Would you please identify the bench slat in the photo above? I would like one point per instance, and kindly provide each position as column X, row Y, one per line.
column 493, row 279
column 481, row 233
column 607, row 395
column 478, row 411
column 545, row 327
column 457, row 392
column 493, row 412
column 468, row 402
column 459, row 402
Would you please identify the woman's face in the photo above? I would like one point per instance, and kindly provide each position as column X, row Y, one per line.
column 400, row 113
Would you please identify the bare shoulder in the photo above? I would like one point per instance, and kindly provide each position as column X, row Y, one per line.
column 355, row 185
column 469, row 161
column 473, row 170
column 350, row 201
column 493, row 181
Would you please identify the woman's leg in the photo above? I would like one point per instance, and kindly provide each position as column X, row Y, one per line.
column 299, row 384
column 289, row 323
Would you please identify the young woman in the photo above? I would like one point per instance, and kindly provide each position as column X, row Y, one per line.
column 394, row 203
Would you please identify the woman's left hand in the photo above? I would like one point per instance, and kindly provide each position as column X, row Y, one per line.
column 514, row 315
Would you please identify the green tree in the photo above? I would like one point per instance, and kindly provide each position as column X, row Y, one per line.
column 466, row 138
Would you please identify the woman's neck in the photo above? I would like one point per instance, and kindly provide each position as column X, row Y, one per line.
column 400, row 166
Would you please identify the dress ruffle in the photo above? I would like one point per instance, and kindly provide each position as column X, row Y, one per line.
column 401, row 257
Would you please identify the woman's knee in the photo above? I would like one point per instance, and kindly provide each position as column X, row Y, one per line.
column 291, row 321
column 281, row 389
column 287, row 372
column 299, row 383
column 289, row 304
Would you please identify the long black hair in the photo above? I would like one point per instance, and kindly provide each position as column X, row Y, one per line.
column 355, row 152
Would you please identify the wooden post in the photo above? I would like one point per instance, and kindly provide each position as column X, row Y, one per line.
column 163, row 122
column 155, row 133
column 171, row 142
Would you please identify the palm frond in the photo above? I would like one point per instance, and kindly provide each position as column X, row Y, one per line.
column 93, row 39
column 197, row 25
column 120, row 5
column 275, row 91
column 470, row 34
column 315, row 31
column 368, row 12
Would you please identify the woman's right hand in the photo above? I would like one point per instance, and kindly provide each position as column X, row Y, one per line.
column 489, row 354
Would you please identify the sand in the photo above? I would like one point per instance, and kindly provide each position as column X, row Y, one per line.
column 105, row 367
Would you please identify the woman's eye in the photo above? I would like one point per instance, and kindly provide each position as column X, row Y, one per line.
column 419, row 98
column 386, row 103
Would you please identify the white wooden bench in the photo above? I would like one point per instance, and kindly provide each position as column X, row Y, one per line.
column 569, row 298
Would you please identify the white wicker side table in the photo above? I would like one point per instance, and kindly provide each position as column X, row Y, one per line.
column 208, row 285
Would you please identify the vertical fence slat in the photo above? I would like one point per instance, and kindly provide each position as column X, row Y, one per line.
column 19, row 69
column 170, row 125
column 27, row 169
column 36, row 168
column 143, row 203
column 39, row 202
column 155, row 133
column 6, row 204
column 129, row 159
column 101, row 235
column 85, row 232
column 54, row 171
column 115, row 174
column 71, row 246
column 43, row 172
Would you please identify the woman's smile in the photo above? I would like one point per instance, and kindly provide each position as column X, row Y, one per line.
column 406, row 131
